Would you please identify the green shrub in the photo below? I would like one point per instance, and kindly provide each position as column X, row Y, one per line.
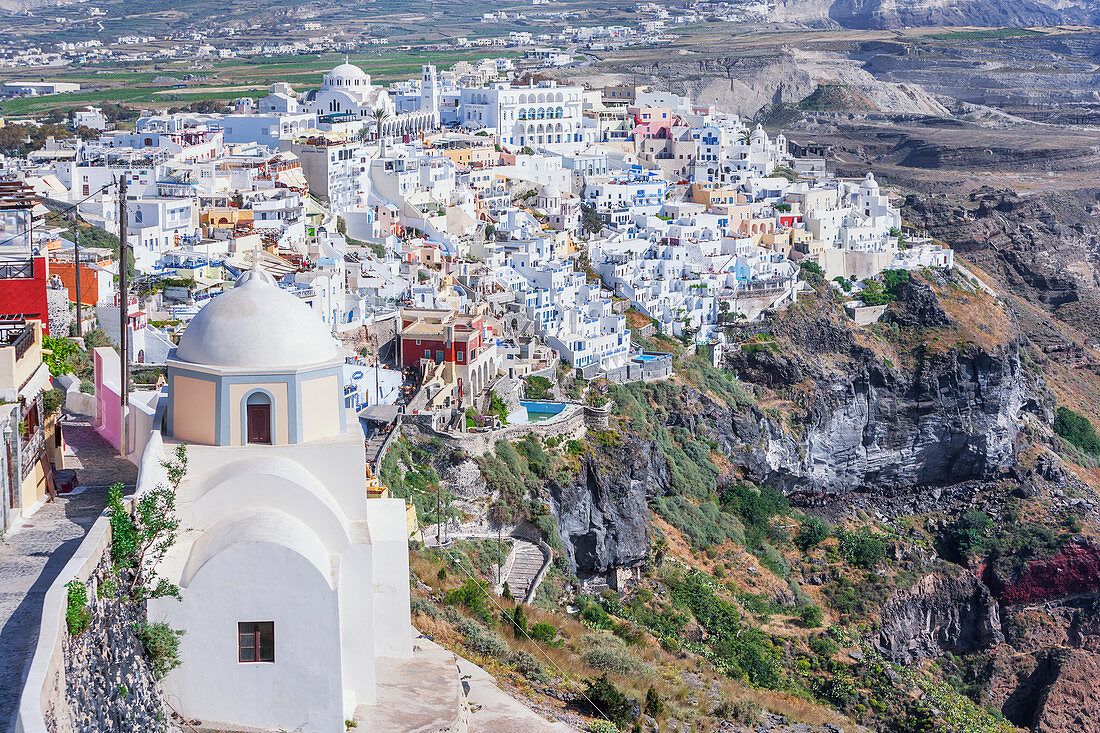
column 537, row 388
column 1076, row 429
column 601, row 726
column 810, row 616
column 812, row 532
column 823, row 646
column 756, row 507
column 745, row 712
column 528, row 666
column 162, row 646
column 471, row 595
column 654, row 706
column 862, row 547
column 609, row 654
column 544, row 632
column 973, row 533
column 77, row 614
column 601, row 697
column 424, row 607
column 481, row 640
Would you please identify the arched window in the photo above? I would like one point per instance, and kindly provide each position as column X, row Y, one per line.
column 559, row 112
column 258, row 418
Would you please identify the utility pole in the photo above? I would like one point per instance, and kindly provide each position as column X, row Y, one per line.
column 123, row 316
column 76, row 267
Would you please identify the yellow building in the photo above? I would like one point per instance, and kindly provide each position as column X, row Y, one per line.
column 23, row 378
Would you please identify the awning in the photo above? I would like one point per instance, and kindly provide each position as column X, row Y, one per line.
column 38, row 382
column 292, row 178
column 380, row 413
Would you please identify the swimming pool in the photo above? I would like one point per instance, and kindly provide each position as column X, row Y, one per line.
column 646, row 357
column 530, row 412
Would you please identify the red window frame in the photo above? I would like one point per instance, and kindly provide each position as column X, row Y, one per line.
column 255, row 641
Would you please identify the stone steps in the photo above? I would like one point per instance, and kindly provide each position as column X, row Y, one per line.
column 528, row 561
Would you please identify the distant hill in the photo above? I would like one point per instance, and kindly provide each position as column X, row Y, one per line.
column 936, row 13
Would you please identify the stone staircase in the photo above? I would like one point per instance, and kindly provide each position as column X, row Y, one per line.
column 525, row 567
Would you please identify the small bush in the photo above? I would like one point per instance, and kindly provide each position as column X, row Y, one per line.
column 481, row 640
column 1076, row 428
column 601, row 726
column 472, row 596
column 603, row 698
column 77, row 614
column 424, row 607
column 609, row 654
column 654, row 707
column 862, row 547
column 810, row 616
column 544, row 633
column 745, row 712
column 823, row 646
column 162, row 646
column 528, row 666
column 812, row 533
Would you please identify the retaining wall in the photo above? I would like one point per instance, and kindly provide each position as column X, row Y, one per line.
column 76, row 685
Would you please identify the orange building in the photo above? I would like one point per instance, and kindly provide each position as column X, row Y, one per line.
column 95, row 278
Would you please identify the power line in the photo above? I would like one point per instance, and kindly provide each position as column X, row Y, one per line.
column 493, row 600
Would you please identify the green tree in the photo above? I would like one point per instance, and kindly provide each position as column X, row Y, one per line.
column 591, row 222
column 811, row 272
column 604, row 699
column 973, row 533
column 812, row 532
column 1076, row 429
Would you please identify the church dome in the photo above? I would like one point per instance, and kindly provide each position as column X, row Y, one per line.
column 256, row 325
column 347, row 75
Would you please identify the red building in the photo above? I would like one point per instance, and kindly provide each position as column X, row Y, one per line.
column 446, row 337
column 23, row 272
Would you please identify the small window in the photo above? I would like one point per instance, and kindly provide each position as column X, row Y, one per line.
column 256, row 641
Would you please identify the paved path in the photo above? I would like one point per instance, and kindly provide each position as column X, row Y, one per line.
column 32, row 555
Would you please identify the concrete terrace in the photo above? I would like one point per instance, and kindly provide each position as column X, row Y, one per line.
column 33, row 553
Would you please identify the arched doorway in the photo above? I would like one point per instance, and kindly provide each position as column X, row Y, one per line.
column 258, row 418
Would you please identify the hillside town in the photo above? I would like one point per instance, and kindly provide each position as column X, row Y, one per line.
column 556, row 214
column 461, row 253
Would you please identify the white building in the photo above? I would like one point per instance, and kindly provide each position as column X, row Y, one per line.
column 530, row 116
column 292, row 581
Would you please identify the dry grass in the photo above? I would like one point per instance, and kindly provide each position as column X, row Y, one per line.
column 686, row 702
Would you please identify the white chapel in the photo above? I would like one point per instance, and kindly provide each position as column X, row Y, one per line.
column 292, row 581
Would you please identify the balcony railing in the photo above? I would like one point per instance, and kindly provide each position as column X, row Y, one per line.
column 19, row 269
column 23, row 342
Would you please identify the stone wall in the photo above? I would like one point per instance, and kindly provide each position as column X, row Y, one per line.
column 569, row 424
column 57, row 302
column 109, row 683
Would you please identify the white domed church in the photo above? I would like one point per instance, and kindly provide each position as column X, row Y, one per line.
column 347, row 89
column 292, row 581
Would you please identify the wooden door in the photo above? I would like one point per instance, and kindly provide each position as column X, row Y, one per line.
column 259, row 424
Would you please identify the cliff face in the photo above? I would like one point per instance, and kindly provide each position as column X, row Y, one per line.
column 1042, row 247
column 947, row 418
column 917, row 13
column 939, row 614
column 603, row 517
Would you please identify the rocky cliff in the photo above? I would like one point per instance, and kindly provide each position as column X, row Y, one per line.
column 862, row 421
column 940, row 613
column 603, row 517
column 905, row 13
